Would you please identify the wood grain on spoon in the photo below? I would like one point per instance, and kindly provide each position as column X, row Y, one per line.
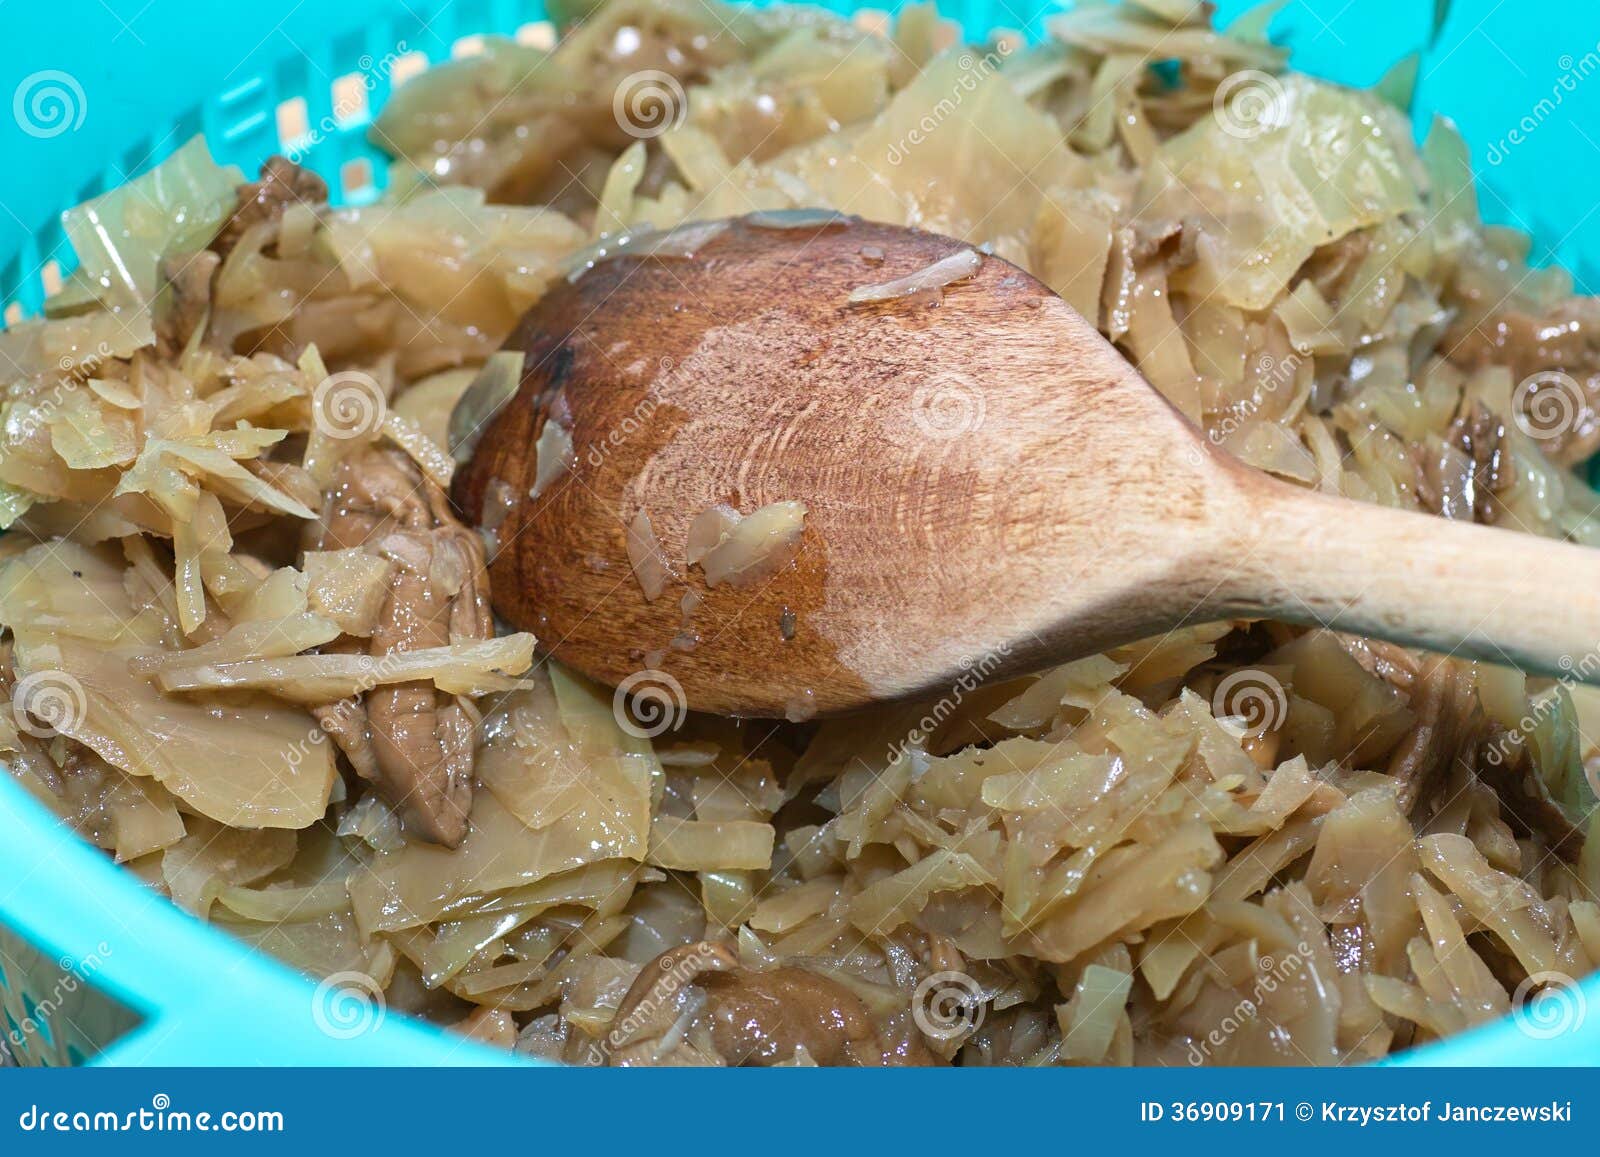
column 990, row 486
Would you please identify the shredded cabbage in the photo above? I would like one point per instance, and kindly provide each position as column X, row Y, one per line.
column 120, row 236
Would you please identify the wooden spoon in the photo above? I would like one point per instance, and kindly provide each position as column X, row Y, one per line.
column 989, row 488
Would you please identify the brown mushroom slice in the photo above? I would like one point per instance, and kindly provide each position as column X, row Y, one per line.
column 1450, row 728
column 655, row 1021
column 282, row 183
column 184, row 300
column 765, row 1018
column 416, row 742
column 1526, row 798
column 1556, row 351
column 345, row 722
column 1446, row 729
column 699, row 994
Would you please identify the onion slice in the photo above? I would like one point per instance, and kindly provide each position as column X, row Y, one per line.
column 648, row 560
column 552, row 456
column 753, row 547
column 956, row 267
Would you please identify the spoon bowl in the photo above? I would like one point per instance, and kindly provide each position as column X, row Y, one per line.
column 988, row 486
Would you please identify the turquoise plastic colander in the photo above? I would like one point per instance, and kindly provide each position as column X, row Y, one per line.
column 93, row 966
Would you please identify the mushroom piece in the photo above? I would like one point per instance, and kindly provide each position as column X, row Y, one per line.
column 697, row 1005
column 1477, row 436
column 413, row 741
column 1451, row 729
column 1526, row 798
column 1446, row 729
column 282, row 183
column 185, row 300
column 1556, row 350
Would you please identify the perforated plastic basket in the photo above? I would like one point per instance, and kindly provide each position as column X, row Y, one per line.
column 95, row 967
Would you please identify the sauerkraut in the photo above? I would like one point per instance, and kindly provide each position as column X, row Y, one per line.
column 249, row 650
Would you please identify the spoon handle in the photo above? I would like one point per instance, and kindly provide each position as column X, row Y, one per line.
column 1446, row 586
